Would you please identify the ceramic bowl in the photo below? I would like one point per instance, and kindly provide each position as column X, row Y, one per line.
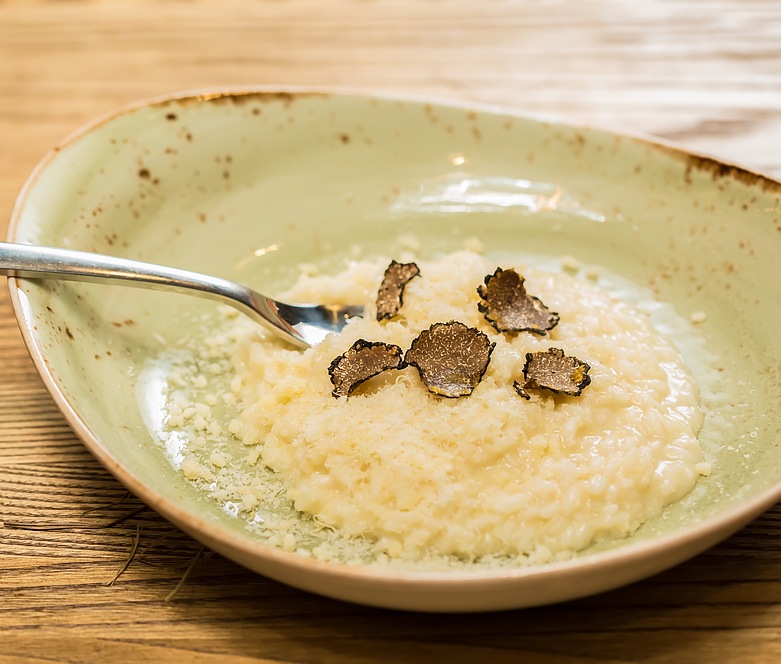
column 248, row 185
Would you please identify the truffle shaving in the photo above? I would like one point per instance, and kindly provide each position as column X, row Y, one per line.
column 450, row 357
column 389, row 297
column 509, row 308
column 363, row 360
column 554, row 371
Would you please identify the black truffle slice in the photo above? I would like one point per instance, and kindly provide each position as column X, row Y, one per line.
column 555, row 371
column 509, row 308
column 450, row 357
column 363, row 360
column 389, row 297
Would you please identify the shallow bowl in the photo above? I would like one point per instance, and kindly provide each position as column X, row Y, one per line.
column 248, row 185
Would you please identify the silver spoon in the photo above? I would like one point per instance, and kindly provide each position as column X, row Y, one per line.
column 299, row 324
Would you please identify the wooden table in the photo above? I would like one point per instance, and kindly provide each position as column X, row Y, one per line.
column 706, row 73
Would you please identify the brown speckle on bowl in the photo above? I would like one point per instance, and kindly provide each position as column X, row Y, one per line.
column 241, row 98
column 344, row 138
column 171, row 117
column 69, row 333
column 717, row 169
column 143, row 173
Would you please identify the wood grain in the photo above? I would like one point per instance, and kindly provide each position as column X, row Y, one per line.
column 705, row 73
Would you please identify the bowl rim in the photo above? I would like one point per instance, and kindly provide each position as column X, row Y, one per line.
column 719, row 525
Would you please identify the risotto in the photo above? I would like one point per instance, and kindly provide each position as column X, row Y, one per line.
column 413, row 475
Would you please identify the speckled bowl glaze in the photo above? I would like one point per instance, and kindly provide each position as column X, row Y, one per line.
column 247, row 185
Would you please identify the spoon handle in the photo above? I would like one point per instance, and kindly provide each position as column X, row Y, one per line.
column 301, row 325
column 31, row 261
column 24, row 260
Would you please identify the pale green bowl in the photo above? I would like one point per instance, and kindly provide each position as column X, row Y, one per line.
column 247, row 185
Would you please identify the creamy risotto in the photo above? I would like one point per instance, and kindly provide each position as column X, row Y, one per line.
column 408, row 475
column 396, row 475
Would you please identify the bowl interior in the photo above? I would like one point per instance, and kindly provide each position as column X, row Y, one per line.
column 248, row 186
